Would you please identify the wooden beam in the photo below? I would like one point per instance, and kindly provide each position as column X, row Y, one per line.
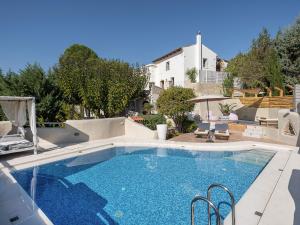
column 269, row 91
column 280, row 91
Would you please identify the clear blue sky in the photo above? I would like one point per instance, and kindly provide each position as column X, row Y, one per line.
column 132, row 30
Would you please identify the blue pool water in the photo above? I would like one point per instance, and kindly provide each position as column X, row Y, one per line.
column 138, row 185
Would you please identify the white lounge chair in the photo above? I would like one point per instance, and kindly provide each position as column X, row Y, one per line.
column 221, row 131
column 202, row 130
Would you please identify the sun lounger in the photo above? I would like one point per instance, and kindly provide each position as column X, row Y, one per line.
column 202, row 130
column 221, row 131
column 13, row 143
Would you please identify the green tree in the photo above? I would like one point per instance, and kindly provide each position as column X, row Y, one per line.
column 73, row 72
column 12, row 82
column 273, row 70
column 259, row 67
column 124, row 84
column 4, row 89
column 31, row 81
column 228, row 85
column 287, row 44
column 173, row 103
column 51, row 105
column 192, row 74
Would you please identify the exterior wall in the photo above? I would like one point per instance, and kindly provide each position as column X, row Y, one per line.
column 152, row 72
column 189, row 60
column 284, row 117
column 154, row 94
column 190, row 57
column 176, row 70
column 211, row 59
column 133, row 129
column 205, row 89
column 243, row 112
column 76, row 131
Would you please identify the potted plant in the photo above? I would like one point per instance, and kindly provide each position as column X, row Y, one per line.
column 162, row 131
column 226, row 109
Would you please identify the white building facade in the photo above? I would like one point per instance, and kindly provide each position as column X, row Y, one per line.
column 170, row 69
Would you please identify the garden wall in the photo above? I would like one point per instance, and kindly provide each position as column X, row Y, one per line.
column 244, row 112
column 133, row 129
column 76, row 131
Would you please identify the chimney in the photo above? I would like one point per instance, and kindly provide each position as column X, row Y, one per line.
column 198, row 38
column 198, row 53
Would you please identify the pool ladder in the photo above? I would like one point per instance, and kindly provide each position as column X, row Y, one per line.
column 211, row 205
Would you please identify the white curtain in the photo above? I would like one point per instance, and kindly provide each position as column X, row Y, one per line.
column 32, row 120
column 15, row 111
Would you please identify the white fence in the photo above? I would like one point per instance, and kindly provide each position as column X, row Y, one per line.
column 213, row 77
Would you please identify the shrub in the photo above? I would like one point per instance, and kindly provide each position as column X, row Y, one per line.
column 151, row 121
column 148, row 108
column 189, row 126
column 173, row 103
column 227, row 85
column 192, row 73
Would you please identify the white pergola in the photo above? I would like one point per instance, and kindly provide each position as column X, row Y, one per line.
column 15, row 109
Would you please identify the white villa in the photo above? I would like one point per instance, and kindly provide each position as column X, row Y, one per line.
column 170, row 69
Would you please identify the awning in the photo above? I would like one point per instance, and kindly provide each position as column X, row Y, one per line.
column 14, row 108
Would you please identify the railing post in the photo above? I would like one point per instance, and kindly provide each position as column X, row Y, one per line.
column 206, row 75
column 209, row 203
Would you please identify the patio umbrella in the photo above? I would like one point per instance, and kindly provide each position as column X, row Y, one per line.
column 207, row 98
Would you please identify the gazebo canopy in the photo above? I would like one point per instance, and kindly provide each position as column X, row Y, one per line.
column 15, row 98
column 16, row 108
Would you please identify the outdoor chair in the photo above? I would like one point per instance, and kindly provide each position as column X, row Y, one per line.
column 14, row 142
column 202, row 130
column 221, row 131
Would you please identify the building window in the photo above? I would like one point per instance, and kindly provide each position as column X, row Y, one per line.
column 162, row 84
column 204, row 62
column 167, row 66
column 171, row 82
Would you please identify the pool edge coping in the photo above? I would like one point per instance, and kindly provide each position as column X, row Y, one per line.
column 237, row 146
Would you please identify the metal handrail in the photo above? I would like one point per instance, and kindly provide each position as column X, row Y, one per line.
column 210, row 204
column 232, row 205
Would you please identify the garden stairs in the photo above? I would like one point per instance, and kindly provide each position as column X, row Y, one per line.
column 254, row 131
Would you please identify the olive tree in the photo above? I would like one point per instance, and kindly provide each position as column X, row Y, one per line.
column 173, row 103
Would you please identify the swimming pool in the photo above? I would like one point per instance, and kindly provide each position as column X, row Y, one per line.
column 138, row 185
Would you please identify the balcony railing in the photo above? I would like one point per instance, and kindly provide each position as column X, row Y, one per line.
column 213, row 77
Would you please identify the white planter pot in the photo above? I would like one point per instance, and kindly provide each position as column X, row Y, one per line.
column 161, row 131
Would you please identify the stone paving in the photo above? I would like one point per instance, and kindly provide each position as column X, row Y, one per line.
column 234, row 136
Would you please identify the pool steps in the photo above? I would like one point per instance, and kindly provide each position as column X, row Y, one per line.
column 252, row 157
column 254, row 132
